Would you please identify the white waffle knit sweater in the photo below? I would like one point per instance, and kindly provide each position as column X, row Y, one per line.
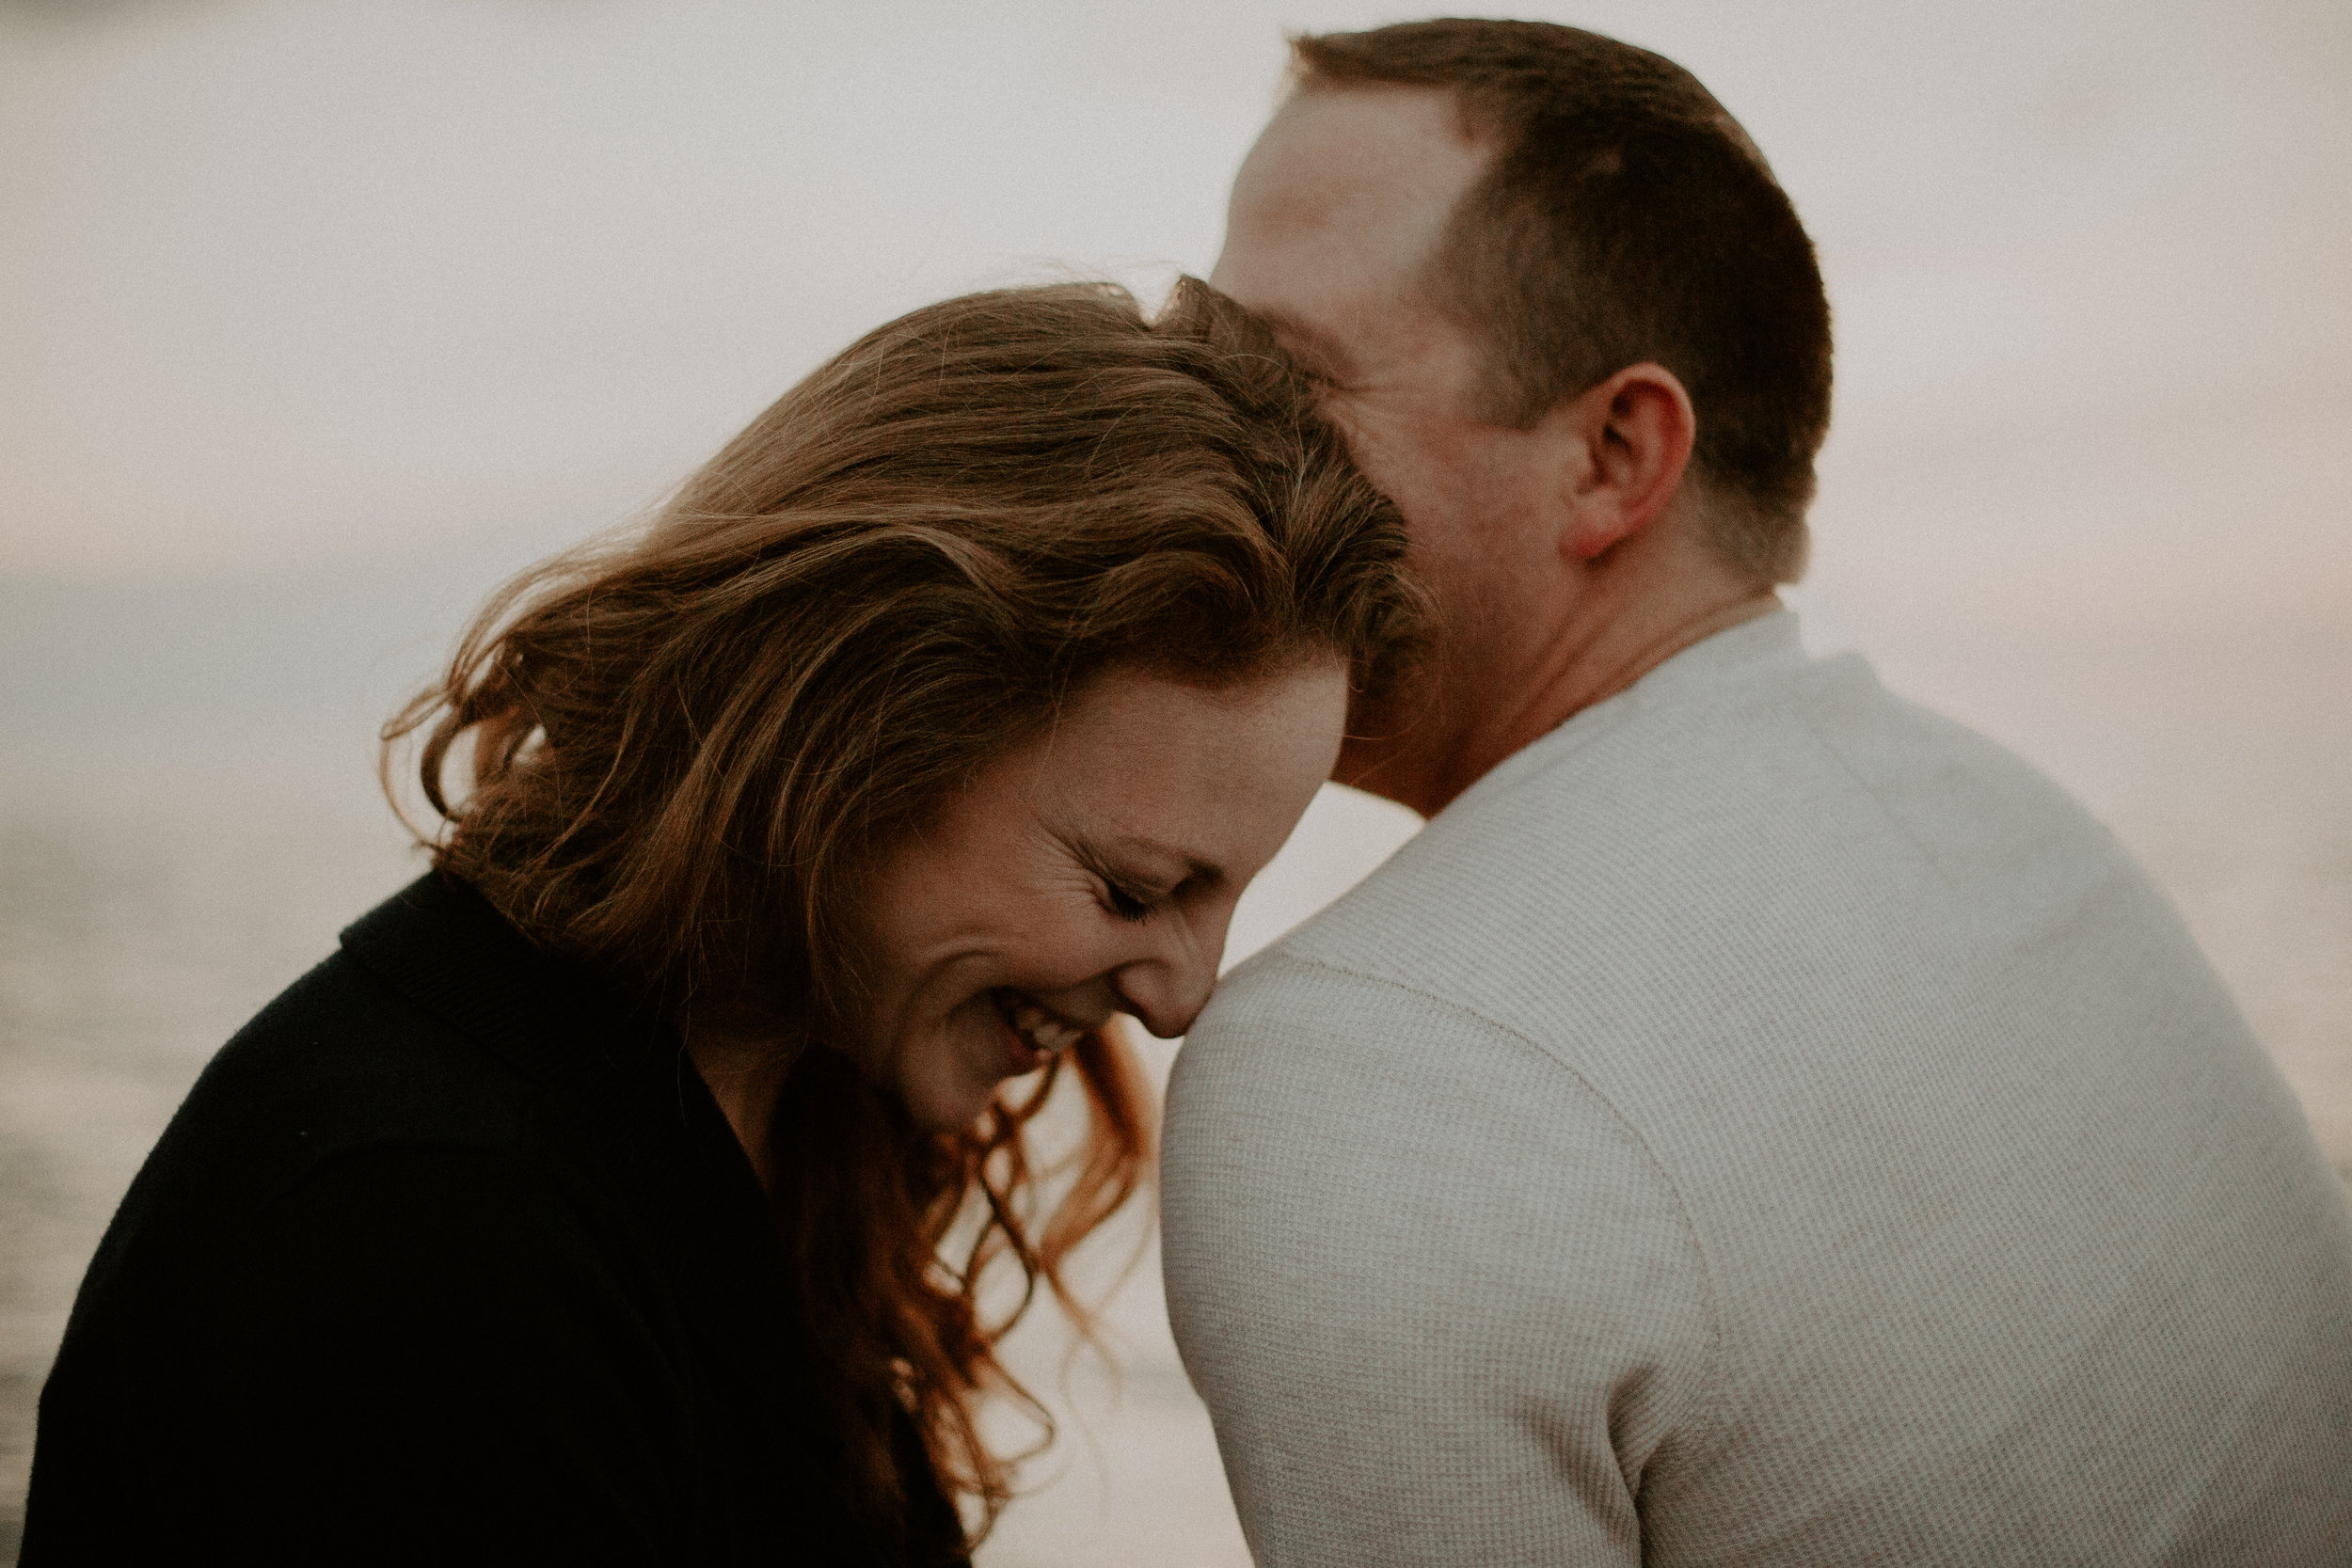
column 1759, row 1123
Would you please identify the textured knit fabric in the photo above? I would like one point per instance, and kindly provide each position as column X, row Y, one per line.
column 1759, row 1123
column 448, row 1258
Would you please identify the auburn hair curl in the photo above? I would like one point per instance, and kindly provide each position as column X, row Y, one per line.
column 685, row 744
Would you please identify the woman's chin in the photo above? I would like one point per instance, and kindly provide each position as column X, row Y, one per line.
column 952, row 1100
column 947, row 1107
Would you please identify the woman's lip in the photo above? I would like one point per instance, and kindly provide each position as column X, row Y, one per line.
column 1021, row 1057
column 1011, row 1003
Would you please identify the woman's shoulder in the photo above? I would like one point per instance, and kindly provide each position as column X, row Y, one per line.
column 337, row 1063
column 435, row 1026
column 338, row 1086
column 440, row 1052
column 354, row 1272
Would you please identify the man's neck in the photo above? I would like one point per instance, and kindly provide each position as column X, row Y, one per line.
column 1444, row 734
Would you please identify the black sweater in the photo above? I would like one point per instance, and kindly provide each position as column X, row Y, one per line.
column 446, row 1258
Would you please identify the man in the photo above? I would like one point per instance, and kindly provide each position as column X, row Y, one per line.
column 1756, row 1121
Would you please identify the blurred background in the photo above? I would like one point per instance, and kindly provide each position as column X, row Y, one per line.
column 319, row 316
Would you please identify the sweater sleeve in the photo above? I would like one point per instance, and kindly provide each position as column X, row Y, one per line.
column 1442, row 1305
column 425, row 1355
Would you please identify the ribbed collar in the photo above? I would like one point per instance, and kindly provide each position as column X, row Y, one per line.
column 1770, row 644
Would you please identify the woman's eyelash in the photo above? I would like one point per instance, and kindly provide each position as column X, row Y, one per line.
column 1124, row 904
column 1119, row 897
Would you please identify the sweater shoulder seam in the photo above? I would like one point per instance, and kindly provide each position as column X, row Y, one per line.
column 1707, row 1401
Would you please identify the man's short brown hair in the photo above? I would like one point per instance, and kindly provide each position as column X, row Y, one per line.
column 1627, row 217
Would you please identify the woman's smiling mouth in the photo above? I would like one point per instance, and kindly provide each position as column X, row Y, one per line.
column 1040, row 1029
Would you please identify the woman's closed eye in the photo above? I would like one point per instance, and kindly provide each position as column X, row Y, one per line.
column 1126, row 903
column 1121, row 892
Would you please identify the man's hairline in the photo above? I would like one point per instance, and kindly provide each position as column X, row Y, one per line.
column 1430, row 281
column 1427, row 281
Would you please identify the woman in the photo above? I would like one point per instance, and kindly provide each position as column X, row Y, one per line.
column 621, row 1191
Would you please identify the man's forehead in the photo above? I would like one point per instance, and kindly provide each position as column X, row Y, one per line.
column 1351, row 153
column 1347, row 183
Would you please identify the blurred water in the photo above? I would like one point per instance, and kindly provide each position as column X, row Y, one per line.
column 155, row 891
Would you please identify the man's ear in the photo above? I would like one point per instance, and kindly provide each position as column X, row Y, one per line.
column 1627, row 442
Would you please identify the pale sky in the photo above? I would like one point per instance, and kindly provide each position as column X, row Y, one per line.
column 308, row 282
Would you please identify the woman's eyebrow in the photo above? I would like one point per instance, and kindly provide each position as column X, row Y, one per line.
column 1104, row 855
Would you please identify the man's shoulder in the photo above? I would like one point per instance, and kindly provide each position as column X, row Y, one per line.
column 1830, row 1023
column 1805, row 872
column 1675, row 825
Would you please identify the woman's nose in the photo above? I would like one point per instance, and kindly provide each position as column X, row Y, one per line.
column 1163, row 997
column 1167, row 991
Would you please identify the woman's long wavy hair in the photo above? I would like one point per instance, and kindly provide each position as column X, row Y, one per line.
column 686, row 745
